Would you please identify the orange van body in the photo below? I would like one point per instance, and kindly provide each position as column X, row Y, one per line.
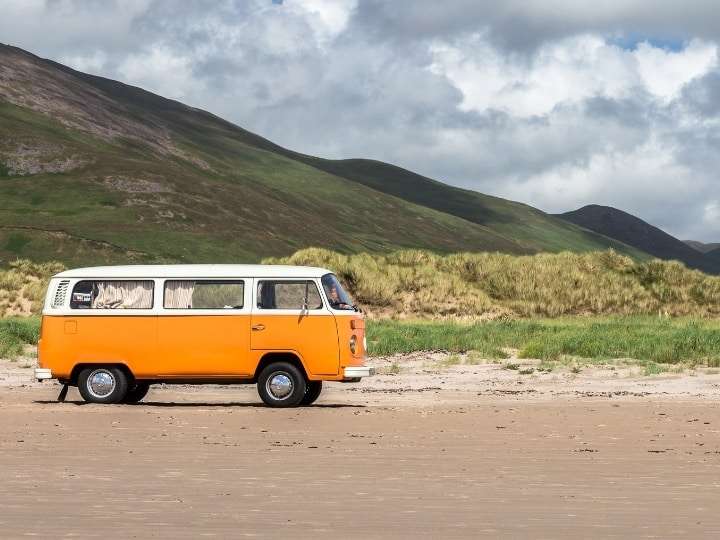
column 157, row 347
column 159, row 344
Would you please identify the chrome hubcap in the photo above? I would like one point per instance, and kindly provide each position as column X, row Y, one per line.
column 101, row 383
column 279, row 385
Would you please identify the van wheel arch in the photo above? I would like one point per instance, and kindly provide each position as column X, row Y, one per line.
column 272, row 357
column 79, row 367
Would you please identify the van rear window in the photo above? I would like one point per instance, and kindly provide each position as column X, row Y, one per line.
column 204, row 294
column 112, row 294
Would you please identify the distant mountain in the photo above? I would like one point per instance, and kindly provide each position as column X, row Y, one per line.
column 93, row 170
column 701, row 246
column 635, row 232
column 714, row 256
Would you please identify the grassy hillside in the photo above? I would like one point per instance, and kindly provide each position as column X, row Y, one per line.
column 635, row 232
column 530, row 227
column 476, row 286
column 92, row 170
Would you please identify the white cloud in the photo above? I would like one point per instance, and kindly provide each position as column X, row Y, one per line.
column 327, row 17
column 63, row 28
column 88, row 63
column 567, row 71
column 645, row 174
column 711, row 215
column 166, row 73
column 664, row 72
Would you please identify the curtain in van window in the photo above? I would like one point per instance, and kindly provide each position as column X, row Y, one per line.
column 178, row 294
column 123, row 295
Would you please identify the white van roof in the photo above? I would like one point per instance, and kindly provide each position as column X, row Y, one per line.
column 195, row 271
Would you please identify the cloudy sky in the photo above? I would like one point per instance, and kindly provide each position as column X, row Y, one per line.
column 557, row 103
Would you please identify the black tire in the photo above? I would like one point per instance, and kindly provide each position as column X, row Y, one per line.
column 312, row 393
column 137, row 392
column 113, row 390
column 287, row 377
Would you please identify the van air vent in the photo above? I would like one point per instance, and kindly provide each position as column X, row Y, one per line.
column 60, row 292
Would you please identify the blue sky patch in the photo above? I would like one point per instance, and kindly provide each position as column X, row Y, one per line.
column 631, row 41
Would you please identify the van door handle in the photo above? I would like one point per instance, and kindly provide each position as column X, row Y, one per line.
column 258, row 327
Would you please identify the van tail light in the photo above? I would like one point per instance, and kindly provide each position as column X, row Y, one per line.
column 353, row 343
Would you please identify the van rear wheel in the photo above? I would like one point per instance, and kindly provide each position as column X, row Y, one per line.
column 281, row 384
column 312, row 393
column 103, row 384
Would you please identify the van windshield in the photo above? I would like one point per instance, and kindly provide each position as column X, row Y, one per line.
column 337, row 296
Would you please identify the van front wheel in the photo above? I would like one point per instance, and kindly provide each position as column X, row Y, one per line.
column 281, row 384
column 312, row 393
column 137, row 393
column 103, row 384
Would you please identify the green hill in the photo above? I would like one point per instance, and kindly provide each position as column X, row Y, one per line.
column 714, row 256
column 93, row 170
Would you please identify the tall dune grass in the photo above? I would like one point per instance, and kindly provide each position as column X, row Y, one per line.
column 23, row 285
column 415, row 283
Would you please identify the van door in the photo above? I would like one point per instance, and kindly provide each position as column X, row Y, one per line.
column 204, row 328
column 290, row 316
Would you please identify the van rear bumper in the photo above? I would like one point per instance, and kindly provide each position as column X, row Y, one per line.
column 357, row 372
column 43, row 373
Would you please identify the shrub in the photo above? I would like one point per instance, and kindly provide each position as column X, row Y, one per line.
column 23, row 286
column 422, row 284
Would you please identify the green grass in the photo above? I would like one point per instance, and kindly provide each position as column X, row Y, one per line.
column 15, row 333
column 636, row 339
column 652, row 368
column 387, row 337
column 16, row 242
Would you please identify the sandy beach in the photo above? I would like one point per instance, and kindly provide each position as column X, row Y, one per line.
column 432, row 452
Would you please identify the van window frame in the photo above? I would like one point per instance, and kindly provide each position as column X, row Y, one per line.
column 215, row 281
column 289, row 311
column 67, row 304
column 197, row 312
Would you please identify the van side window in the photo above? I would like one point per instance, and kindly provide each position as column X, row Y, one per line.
column 204, row 294
column 288, row 295
column 104, row 294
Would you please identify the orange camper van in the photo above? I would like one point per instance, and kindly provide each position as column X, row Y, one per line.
column 113, row 331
